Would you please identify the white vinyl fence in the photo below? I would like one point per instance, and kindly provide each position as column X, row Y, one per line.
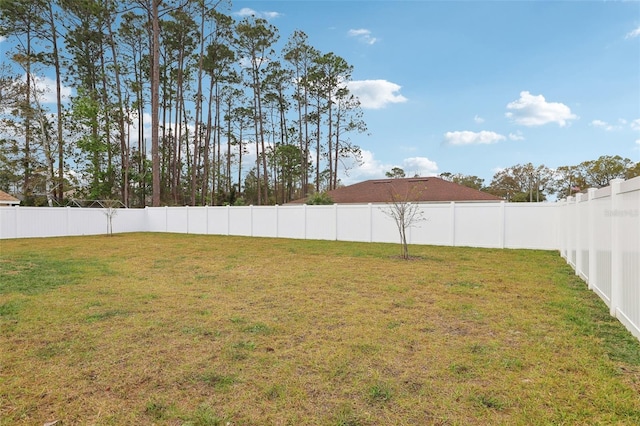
column 34, row 222
column 598, row 233
column 491, row 225
column 600, row 239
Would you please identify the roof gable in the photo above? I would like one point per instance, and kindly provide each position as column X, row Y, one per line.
column 7, row 199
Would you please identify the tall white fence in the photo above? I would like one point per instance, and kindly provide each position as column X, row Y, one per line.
column 491, row 225
column 598, row 233
column 600, row 239
column 501, row 225
column 33, row 222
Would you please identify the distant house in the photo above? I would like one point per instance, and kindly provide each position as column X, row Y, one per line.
column 7, row 200
column 419, row 189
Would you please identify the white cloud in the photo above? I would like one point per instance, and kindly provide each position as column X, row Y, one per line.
column 2, row 39
column 635, row 124
column 534, row 110
column 517, row 136
column 375, row 94
column 246, row 11
column 362, row 35
column 472, row 138
column 420, row 166
column 371, row 168
column 270, row 15
column 604, row 125
column 634, row 33
column 478, row 119
column 47, row 87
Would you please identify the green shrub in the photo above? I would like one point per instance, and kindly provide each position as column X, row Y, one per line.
column 319, row 198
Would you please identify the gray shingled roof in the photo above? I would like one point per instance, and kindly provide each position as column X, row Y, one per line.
column 420, row 189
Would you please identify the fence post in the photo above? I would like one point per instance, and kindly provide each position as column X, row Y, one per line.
column 304, row 210
column 616, row 253
column 17, row 221
column 251, row 220
column 68, row 224
column 228, row 219
column 452, row 212
column 206, row 218
column 560, row 219
column 579, row 236
column 370, row 223
column 335, row 221
column 593, row 265
column 277, row 232
column 569, row 231
column 503, row 218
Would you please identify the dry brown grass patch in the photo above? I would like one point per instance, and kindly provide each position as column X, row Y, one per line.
column 183, row 329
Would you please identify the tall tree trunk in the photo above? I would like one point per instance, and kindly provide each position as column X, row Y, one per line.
column 318, row 121
column 196, row 135
column 168, row 157
column 124, row 152
column 330, row 138
column 336, row 149
column 257, row 120
column 218, row 130
column 215, row 152
column 262, row 146
column 207, row 148
column 59, row 181
column 107, row 126
column 228, row 171
column 240, row 158
column 177, row 138
column 26, row 162
column 155, row 94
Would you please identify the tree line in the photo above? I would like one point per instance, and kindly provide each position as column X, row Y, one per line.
column 530, row 183
column 217, row 88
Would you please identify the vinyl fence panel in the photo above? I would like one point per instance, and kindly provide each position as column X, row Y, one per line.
column 602, row 244
column 600, row 253
column 626, row 214
column 38, row 222
column 438, row 227
column 197, row 220
column 598, row 233
column 532, row 228
column 479, row 225
column 292, row 221
column 321, row 222
column 353, row 223
column 384, row 228
column 241, row 221
column 264, row 221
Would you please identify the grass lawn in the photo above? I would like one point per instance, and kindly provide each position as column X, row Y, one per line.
column 165, row 329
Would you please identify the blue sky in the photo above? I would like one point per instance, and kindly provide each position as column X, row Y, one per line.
column 471, row 87
column 475, row 86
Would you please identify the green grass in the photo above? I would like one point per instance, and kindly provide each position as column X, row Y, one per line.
column 172, row 329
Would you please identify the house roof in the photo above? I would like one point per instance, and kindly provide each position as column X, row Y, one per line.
column 7, row 199
column 419, row 189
